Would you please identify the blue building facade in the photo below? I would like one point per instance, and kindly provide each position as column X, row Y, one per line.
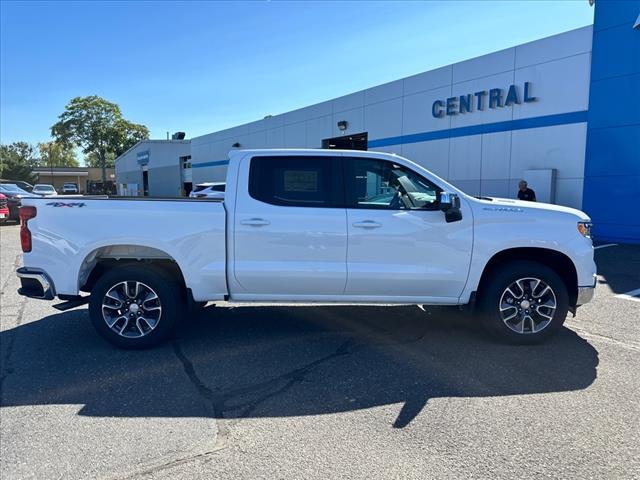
column 612, row 165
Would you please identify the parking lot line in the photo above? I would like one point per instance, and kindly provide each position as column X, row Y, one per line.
column 631, row 295
column 605, row 245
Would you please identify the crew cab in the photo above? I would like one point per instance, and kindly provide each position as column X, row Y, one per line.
column 313, row 226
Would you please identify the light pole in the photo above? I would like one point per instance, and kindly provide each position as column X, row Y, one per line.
column 51, row 164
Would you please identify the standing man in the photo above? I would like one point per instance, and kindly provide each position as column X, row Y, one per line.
column 525, row 193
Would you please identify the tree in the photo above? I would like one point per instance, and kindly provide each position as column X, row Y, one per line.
column 55, row 154
column 91, row 160
column 17, row 161
column 97, row 127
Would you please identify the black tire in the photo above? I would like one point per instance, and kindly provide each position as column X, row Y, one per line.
column 492, row 299
column 170, row 298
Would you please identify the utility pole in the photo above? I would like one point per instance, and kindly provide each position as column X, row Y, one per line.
column 51, row 163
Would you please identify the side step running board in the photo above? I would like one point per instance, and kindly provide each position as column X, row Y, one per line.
column 72, row 303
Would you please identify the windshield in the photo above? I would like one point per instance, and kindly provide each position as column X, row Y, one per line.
column 11, row 187
column 46, row 188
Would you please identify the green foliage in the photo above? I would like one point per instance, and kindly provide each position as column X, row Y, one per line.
column 91, row 160
column 55, row 154
column 17, row 160
column 98, row 128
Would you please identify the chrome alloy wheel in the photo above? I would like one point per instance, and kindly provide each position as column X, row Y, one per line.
column 527, row 305
column 131, row 309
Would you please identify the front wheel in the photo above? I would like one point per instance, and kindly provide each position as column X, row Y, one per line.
column 524, row 302
column 135, row 306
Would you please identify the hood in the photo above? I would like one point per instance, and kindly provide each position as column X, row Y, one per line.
column 549, row 207
column 18, row 196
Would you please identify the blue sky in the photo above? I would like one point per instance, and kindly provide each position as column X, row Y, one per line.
column 200, row 67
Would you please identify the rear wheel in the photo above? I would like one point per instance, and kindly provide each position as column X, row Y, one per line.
column 136, row 306
column 524, row 302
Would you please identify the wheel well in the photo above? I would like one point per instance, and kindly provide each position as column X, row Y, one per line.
column 101, row 260
column 556, row 261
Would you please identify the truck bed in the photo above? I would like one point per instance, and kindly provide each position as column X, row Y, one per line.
column 71, row 234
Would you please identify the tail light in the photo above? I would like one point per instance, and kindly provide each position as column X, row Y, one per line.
column 26, row 213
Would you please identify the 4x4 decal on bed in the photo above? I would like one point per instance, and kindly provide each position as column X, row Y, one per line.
column 67, row 204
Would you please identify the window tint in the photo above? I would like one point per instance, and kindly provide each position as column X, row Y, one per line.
column 296, row 181
column 379, row 184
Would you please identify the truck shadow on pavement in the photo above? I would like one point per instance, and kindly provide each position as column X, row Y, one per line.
column 619, row 266
column 284, row 361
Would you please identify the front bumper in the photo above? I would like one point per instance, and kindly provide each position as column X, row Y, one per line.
column 35, row 284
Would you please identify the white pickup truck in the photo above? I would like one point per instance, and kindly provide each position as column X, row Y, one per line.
column 312, row 226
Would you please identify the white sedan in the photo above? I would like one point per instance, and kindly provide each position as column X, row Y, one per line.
column 44, row 190
column 208, row 190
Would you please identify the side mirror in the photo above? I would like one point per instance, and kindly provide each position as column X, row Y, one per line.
column 450, row 205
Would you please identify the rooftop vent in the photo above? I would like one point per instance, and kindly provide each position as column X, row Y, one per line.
column 178, row 136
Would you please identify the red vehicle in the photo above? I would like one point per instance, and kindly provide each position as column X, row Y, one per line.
column 4, row 209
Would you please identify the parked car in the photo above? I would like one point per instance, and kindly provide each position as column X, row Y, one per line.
column 14, row 196
column 44, row 190
column 27, row 187
column 4, row 208
column 297, row 226
column 208, row 190
column 70, row 188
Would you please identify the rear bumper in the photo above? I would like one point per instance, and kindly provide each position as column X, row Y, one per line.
column 35, row 284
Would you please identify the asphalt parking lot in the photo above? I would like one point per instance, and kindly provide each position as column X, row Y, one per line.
column 332, row 392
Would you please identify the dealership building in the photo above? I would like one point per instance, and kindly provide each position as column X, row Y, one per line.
column 562, row 112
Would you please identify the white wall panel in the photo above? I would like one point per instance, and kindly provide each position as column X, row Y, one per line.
column 295, row 135
column 495, row 188
column 483, row 66
column 464, row 157
column 318, row 129
column 200, row 153
column 383, row 119
column 257, row 139
column 569, row 192
column 275, row 138
column 560, row 86
column 417, row 116
column 433, row 155
column 384, row 92
column 496, row 155
column 558, row 46
column 348, row 102
column 470, row 187
column 256, row 126
column 561, row 147
column 440, row 77
column 219, row 151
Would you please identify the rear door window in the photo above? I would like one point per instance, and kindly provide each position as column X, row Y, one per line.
column 297, row 181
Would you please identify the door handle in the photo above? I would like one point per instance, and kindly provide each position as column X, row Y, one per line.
column 255, row 222
column 367, row 224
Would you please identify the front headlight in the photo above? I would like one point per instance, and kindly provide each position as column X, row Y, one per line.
column 585, row 229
